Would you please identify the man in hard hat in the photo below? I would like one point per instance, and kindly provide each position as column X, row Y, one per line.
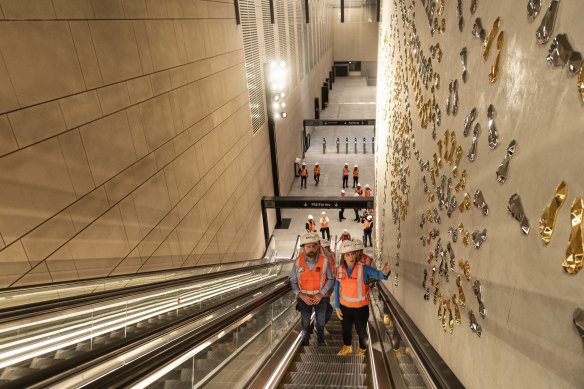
column 311, row 279
column 303, row 174
column 344, row 236
column 361, row 256
column 359, row 190
column 355, row 175
column 346, row 175
column 316, row 173
column 342, row 210
column 368, row 192
column 324, row 226
column 310, row 225
column 368, row 230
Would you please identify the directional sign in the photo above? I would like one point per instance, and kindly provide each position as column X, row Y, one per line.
column 317, row 202
column 356, row 122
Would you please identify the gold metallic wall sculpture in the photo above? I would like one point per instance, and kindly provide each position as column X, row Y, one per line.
column 495, row 68
column 575, row 250
column 491, row 38
column 547, row 221
column 580, row 83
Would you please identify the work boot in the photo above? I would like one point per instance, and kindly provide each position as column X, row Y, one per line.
column 321, row 342
column 306, row 342
column 346, row 350
column 361, row 351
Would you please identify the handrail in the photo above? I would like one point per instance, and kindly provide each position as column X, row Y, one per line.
column 67, row 368
column 436, row 369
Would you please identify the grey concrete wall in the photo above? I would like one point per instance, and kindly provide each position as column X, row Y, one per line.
column 356, row 38
column 528, row 337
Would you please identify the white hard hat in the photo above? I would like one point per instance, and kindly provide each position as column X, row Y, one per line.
column 310, row 217
column 325, row 243
column 323, row 212
column 346, row 163
column 356, row 195
column 316, row 163
column 358, row 244
column 369, row 217
column 345, row 232
column 367, row 186
column 343, row 191
column 316, row 236
column 308, row 238
column 303, row 163
column 347, row 246
column 356, row 166
column 359, row 184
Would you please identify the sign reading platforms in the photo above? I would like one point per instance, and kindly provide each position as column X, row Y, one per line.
column 317, row 202
column 358, row 122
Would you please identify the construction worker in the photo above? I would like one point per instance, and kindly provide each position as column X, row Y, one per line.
column 324, row 226
column 352, row 296
column 310, row 225
column 326, row 247
column 342, row 210
column 368, row 230
column 316, row 173
column 344, row 236
column 355, row 175
column 310, row 279
column 368, row 192
column 346, row 175
column 303, row 174
column 357, row 217
column 361, row 256
column 359, row 190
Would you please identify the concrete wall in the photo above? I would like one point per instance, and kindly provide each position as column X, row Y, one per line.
column 125, row 139
column 528, row 336
column 356, row 38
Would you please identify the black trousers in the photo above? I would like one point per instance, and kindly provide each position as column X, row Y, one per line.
column 367, row 234
column 341, row 214
column 303, row 181
column 359, row 317
column 317, row 178
column 345, row 181
column 328, row 233
column 357, row 217
column 355, row 181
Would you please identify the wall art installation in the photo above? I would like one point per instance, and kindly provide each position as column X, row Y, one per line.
column 515, row 207
column 575, row 251
column 546, row 28
column 547, row 221
column 503, row 169
column 479, row 202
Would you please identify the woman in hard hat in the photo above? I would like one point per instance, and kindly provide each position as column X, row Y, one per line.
column 352, row 296
column 368, row 230
column 303, row 174
column 355, row 175
column 316, row 172
column 346, row 175
column 324, row 226
column 310, row 225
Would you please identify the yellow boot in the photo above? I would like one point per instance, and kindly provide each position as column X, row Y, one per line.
column 361, row 351
column 346, row 350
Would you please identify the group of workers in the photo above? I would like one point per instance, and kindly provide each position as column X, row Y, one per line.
column 310, row 226
column 314, row 277
column 303, row 172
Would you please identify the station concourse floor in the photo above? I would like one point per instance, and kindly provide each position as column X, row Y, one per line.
column 350, row 98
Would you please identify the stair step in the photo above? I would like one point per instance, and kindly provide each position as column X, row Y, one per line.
column 407, row 368
column 413, row 380
column 297, row 386
column 324, row 368
column 320, row 350
column 328, row 379
column 314, row 358
column 405, row 359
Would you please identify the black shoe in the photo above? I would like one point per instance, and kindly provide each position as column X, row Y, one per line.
column 306, row 342
column 321, row 342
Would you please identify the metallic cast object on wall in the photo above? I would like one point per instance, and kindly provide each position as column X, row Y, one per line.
column 547, row 221
column 450, row 317
column 423, row 221
column 429, row 216
column 438, row 114
column 459, row 14
column 472, row 153
column 456, row 310
column 575, row 250
column 436, row 292
column 468, row 121
column 578, row 319
column 478, row 31
column 462, row 183
column 533, row 8
column 580, row 83
column 465, row 237
column 473, row 6
column 493, row 137
column 396, row 279
column 452, row 206
column 546, row 28
column 427, row 294
column 560, row 51
column 478, row 238
column 479, row 202
column 450, row 156
column 465, row 204
column 515, row 207
column 478, row 291
column 503, row 169
column 457, row 157
column 425, row 278
column 491, row 38
column 449, row 98
column 455, row 98
column 451, row 255
column 494, row 74
column 453, row 232
column 474, row 324
column 465, row 266
column 436, row 216
column 575, row 62
column 461, row 297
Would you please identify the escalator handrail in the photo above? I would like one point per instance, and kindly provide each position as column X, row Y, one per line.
column 437, row 369
column 70, row 367
column 12, row 314
column 140, row 368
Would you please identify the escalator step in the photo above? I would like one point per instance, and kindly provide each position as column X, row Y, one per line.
column 414, row 380
column 339, row 343
column 297, row 386
column 405, row 359
column 311, row 358
column 328, row 379
column 340, row 368
column 41, row 363
column 320, row 350
column 408, row 368
column 11, row 373
column 67, row 354
column 176, row 384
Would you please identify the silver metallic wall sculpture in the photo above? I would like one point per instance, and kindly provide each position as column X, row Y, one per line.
column 479, row 202
column 515, row 207
column 474, row 324
column 546, row 28
column 472, row 153
column 478, row 237
column 533, row 8
column 503, row 169
column 493, row 133
column 468, row 121
column 478, row 291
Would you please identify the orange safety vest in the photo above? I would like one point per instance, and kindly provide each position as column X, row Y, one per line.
column 317, row 170
column 359, row 192
column 367, row 225
column 353, row 293
column 323, row 223
column 345, row 237
column 367, row 192
column 366, row 260
column 303, row 172
column 332, row 255
column 345, row 171
column 355, row 172
column 311, row 226
column 311, row 281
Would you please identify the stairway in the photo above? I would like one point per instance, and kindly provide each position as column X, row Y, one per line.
column 409, row 371
column 320, row 367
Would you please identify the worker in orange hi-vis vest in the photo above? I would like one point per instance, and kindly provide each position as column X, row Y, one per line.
column 310, row 225
column 368, row 192
column 352, row 296
column 346, row 175
column 303, row 174
column 311, row 279
column 324, row 226
column 326, row 248
column 344, row 236
column 342, row 210
column 355, row 175
column 361, row 256
column 359, row 190
column 316, row 172
column 368, row 230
